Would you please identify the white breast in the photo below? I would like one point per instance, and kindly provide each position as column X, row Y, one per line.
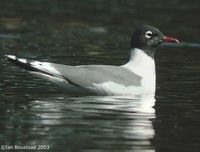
column 143, row 65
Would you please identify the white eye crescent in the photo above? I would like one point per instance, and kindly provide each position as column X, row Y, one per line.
column 148, row 34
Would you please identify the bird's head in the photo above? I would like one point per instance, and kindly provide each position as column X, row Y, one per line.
column 147, row 38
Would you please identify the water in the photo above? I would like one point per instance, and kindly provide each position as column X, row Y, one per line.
column 35, row 112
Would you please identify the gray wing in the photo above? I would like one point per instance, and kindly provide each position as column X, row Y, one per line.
column 87, row 75
column 84, row 76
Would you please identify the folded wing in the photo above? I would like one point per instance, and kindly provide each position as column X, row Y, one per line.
column 84, row 76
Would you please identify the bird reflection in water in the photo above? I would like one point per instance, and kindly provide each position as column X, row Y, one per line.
column 103, row 121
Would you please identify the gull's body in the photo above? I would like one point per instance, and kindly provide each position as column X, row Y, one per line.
column 137, row 77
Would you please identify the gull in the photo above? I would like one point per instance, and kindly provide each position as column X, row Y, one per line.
column 136, row 77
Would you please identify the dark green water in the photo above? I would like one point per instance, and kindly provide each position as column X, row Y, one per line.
column 34, row 112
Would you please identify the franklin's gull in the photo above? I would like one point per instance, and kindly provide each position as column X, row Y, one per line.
column 134, row 78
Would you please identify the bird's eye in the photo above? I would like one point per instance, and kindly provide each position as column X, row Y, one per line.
column 148, row 34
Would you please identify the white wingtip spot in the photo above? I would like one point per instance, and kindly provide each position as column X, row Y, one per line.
column 11, row 57
column 22, row 60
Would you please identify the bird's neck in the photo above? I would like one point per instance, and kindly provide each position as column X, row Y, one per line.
column 144, row 66
column 141, row 63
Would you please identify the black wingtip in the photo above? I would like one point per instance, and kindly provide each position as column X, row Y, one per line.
column 13, row 59
column 23, row 63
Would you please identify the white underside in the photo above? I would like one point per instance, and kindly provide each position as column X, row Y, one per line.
column 143, row 65
column 112, row 88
